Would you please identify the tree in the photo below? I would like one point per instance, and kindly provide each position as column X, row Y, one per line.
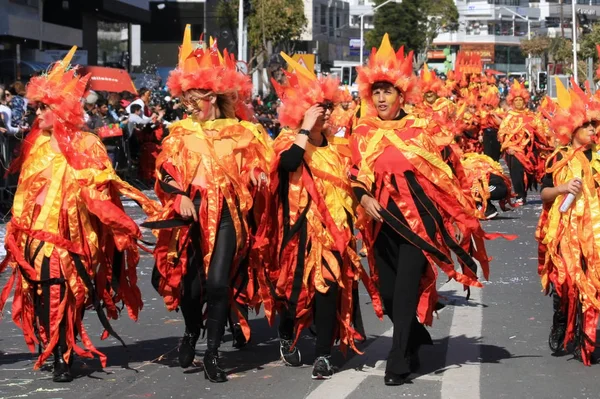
column 272, row 24
column 587, row 43
column 407, row 26
column 538, row 46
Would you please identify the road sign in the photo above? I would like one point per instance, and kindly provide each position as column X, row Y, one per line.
column 306, row 60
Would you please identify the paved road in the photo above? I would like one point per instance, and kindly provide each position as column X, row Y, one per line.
column 494, row 346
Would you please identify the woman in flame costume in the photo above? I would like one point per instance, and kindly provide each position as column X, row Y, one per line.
column 318, row 267
column 211, row 180
column 415, row 205
column 569, row 240
column 521, row 135
column 69, row 243
column 490, row 118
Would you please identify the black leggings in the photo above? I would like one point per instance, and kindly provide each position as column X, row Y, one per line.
column 498, row 189
column 491, row 145
column 401, row 265
column 217, row 283
column 325, row 318
column 517, row 175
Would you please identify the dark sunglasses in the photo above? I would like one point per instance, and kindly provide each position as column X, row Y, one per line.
column 40, row 106
column 327, row 105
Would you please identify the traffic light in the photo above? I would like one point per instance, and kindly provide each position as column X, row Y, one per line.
column 542, row 81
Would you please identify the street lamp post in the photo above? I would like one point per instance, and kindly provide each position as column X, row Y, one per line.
column 515, row 14
column 362, row 25
column 574, row 43
column 240, row 30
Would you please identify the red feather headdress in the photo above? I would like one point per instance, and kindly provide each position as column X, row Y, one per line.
column 301, row 91
column 517, row 90
column 208, row 69
column 428, row 81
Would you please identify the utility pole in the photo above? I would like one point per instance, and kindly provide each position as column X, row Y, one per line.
column 562, row 16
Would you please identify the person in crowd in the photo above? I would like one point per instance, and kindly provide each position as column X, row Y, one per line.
column 417, row 214
column 211, row 170
column 18, row 104
column 143, row 100
column 569, row 249
column 6, row 113
column 521, row 134
column 70, row 245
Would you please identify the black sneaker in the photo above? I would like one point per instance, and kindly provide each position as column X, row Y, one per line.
column 490, row 212
column 291, row 357
column 322, row 369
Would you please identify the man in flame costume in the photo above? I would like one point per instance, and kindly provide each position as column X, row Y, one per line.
column 70, row 244
column 490, row 118
column 211, row 180
column 415, row 207
column 569, row 238
column 434, row 96
column 318, row 267
column 522, row 136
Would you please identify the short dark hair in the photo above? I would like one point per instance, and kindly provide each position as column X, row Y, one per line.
column 101, row 102
column 142, row 91
column 383, row 85
column 135, row 108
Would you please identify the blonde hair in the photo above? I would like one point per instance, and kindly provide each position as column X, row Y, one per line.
column 225, row 102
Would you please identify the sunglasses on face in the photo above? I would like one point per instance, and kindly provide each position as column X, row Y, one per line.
column 40, row 106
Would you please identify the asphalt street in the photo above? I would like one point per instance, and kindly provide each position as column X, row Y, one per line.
column 493, row 346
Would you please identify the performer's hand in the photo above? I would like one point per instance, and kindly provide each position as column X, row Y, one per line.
column 3, row 130
column 510, row 151
column 573, row 186
column 311, row 116
column 372, row 207
column 259, row 179
column 458, row 235
column 187, row 209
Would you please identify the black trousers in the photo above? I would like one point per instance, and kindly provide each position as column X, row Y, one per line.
column 215, row 287
column 491, row 145
column 325, row 318
column 401, row 265
column 498, row 189
column 517, row 175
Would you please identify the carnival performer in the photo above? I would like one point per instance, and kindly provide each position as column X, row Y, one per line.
column 567, row 232
column 417, row 210
column 488, row 183
column 318, row 267
column 434, row 94
column 211, row 174
column 470, row 139
column 521, row 135
column 70, row 244
column 490, row 118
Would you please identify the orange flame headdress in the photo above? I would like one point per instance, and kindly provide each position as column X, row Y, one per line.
column 490, row 96
column 570, row 114
column 61, row 90
column 385, row 65
column 517, row 90
column 207, row 69
column 430, row 82
column 468, row 63
column 301, row 91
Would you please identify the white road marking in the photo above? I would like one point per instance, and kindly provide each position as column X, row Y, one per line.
column 461, row 378
column 457, row 382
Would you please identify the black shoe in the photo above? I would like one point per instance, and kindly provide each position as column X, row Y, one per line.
column 391, row 379
column 322, row 369
column 413, row 361
column 557, row 337
column 187, row 349
column 237, row 334
column 490, row 211
column 212, row 370
column 62, row 369
column 291, row 357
